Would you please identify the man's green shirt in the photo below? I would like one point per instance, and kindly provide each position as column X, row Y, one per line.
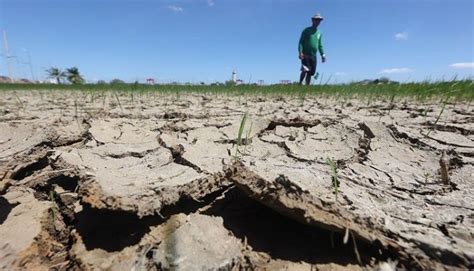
column 310, row 42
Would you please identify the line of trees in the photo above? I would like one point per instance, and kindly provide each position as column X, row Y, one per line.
column 72, row 75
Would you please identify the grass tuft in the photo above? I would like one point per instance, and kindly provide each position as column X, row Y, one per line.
column 118, row 101
column 334, row 180
column 240, row 134
column 445, row 102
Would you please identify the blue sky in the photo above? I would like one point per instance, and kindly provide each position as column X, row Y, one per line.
column 204, row 40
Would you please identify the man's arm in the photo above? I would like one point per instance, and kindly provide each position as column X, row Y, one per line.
column 300, row 46
column 321, row 48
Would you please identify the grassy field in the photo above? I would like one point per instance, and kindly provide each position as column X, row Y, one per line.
column 454, row 90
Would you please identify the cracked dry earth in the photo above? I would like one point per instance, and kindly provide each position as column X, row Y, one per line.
column 98, row 181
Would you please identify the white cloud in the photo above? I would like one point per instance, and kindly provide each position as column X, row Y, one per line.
column 176, row 8
column 210, row 3
column 401, row 36
column 466, row 65
column 396, row 70
column 339, row 73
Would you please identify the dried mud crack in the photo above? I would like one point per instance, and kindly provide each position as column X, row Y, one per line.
column 161, row 184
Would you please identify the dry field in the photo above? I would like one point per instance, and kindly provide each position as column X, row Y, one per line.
column 110, row 181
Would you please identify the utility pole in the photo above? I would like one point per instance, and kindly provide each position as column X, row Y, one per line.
column 7, row 55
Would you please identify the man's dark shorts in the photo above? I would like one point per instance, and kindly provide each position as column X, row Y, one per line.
column 308, row 64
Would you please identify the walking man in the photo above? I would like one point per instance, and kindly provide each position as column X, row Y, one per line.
column 310, row 44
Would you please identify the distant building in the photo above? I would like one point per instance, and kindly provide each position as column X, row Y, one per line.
column 150, row 81
column 50, row 81
column 261, row 82
column 285, row 82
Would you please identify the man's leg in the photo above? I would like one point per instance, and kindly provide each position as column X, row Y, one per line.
column 312, row 71
column 308, row 78
column 305, row 70
column 302, row 75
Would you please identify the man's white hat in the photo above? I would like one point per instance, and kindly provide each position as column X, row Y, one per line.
column 318, row 17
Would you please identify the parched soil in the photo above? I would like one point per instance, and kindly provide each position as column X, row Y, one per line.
column 115, row 181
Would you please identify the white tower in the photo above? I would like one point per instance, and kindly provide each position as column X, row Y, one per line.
column 234, row 76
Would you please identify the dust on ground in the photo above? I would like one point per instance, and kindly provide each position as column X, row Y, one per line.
column 121, row 181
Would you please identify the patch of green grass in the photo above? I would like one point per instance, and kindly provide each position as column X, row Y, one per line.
column 118, row 101
column 426, row 177
column 54, row 207
column 240, row 134
column 18, row 100
column 439, row 116
column 334, row 180
column 247, row 137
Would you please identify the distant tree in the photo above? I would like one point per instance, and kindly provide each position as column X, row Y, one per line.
column 384, row 80
column 74, row 76
column 117, row 82
column 101, row 82
column 56, row 73
column 229, row 83
column 135, row 85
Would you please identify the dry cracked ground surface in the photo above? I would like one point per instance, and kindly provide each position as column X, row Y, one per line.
column 104, row 181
